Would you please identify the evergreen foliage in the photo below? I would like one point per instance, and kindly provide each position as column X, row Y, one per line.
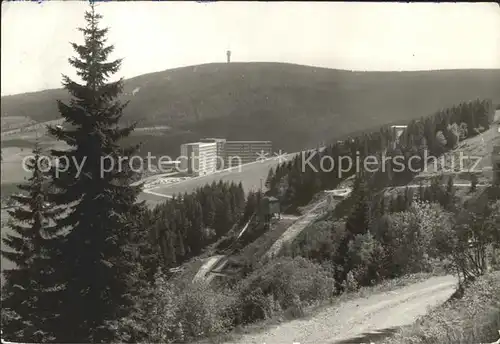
column 184, row 226
column 100, row 223
column 297, row 180
column 30, row 297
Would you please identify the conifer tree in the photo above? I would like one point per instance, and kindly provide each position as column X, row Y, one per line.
column 421, row 191
column 100, row 199
column 270, row 181
column 31, row 292
column 251, row 206
column 473, row 182
column 209, row 211
column 449, row 198
column 358, row 221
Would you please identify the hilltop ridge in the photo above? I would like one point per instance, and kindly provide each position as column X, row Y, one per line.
column 295, row 106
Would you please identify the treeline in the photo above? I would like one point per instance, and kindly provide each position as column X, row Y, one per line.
column 296, row 181
column 440, row 191
column 88, row 255
column 85, row 251
column 386, row 236
column 186, row 224
column 420, row 230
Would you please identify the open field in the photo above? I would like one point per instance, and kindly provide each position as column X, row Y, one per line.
column 15, row 122
column 38, row 129
column 12, row 168
column 250, row 175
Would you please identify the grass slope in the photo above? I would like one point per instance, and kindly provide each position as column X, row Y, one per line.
column 295, row 106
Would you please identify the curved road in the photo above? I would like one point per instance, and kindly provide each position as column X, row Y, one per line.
column 251, row 175
column 361, row 320
column 293, row 231
column 207, row 266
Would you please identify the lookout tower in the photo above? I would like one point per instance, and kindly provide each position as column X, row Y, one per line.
column 228, row 53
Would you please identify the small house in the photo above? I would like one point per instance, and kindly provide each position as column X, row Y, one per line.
column 397, row 131
column 270, row 206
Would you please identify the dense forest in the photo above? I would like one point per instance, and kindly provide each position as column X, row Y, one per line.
column 295, row 182
column 185, row 225
column 93, row 264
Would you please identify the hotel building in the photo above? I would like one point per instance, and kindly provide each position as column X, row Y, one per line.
column 198, row 158
column 244, row 152
column 221, row 150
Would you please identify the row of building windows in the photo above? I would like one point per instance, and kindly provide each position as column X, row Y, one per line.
column 210, row 154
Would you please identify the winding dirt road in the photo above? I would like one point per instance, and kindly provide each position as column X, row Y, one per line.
column 361, row 320
column 293, row 231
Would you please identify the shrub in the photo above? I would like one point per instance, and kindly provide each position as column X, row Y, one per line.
column 452, row 135
column 477, row 234
column 441, row 139
column 350, row 284
column 463, row 131
column 173, row 312
column 254, row 306
column 319, row 242
column 284, row 284
column 163, row 313
column 419, row 236
column 202, row 312
column 364, row 255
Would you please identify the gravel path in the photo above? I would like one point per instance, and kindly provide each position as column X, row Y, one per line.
column 292, row 232
column 352, row 321
column 206, row 267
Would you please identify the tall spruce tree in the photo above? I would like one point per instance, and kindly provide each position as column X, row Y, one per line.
column 99, row 198
column 358, row 221
column 31, row 293
column 270, row 181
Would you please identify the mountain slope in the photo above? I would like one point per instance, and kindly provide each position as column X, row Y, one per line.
column 295, row 106
column 360, row 320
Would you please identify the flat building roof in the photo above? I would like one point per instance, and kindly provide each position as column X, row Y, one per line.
column 212, row 139
column 248, row 141
column 197, row 143
column 170, row 162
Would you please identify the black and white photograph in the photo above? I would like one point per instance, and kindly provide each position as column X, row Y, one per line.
column 225, row 172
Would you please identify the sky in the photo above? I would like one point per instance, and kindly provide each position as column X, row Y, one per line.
column 155, row 36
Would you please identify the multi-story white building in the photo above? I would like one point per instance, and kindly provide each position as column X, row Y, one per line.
column 221, row 150
column 198, row 158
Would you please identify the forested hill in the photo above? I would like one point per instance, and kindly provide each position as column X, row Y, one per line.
column 295, row 106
